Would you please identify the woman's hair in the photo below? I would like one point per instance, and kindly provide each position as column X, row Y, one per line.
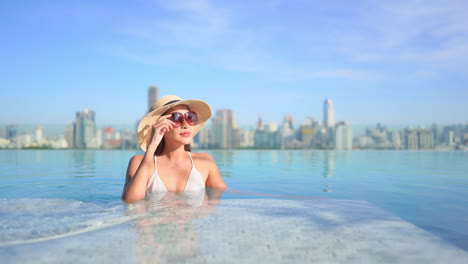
column 160, row 148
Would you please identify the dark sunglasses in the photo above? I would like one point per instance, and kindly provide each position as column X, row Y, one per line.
column 178, row 118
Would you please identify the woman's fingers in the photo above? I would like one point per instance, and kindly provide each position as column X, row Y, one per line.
column 163, row 126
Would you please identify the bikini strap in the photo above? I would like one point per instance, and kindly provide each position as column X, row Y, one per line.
column 191, row 160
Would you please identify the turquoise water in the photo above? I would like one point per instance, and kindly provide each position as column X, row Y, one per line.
column 68, row 197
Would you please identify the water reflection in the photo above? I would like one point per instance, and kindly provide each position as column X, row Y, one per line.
column 83, row 163
column 226, row 160
column 260, row 158
column 38, row 156
column 165, row 228
column 288, row 158
column 329, row 164
column 329, row 169
column 274, row 157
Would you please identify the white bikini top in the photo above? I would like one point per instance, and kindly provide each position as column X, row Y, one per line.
column 194, row 183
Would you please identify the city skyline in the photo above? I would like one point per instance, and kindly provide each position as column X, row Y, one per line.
column 359, row 129
column 395, row 63
column 224, row 133
column 84, row 134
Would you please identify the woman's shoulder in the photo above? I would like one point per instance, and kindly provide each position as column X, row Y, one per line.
column 203, row 158
column 136, row 158
column 133, row 165
column 204, row 161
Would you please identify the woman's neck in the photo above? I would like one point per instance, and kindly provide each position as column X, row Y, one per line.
column 174, row 152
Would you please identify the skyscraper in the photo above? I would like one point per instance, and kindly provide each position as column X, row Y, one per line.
column 69, row 135
column 426, row 139
column 84, row 128
column 11, row 132
column 267, row 136
column 39, row 134
column 223, row 129
column 411, row 138
column 343, row 137
column 287, row 131
column 328, row 113
column 153, row 93
column 419, row 138
column 202, row 139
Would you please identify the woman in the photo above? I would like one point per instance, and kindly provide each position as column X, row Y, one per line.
column 165, row 134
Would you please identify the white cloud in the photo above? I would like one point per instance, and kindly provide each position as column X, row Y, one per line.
column 426, row 34
column 374, row 41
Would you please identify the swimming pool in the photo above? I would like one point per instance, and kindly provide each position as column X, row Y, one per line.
column 286, row 206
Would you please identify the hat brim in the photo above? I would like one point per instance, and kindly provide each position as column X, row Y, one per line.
column 145, row 126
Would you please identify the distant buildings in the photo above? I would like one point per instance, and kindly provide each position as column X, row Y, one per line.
column 35, row 139
column 343, row 136
column 11, row 132
column 312, row 134
column 69, row 135
column 309, row 135
column 328, row 113
column 40, row 139
column 84, row 129
column 288, row 135
column 267, row 135
column 203, row 138
column 247, row 138
column 419, row 139
column 224, row 133
column 153, row 93
column 111, row 138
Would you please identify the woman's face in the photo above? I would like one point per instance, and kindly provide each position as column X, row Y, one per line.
column 182, row 134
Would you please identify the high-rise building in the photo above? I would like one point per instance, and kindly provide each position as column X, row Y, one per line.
column 247, row 139
column 84, row 128
column 411, row 141
column 11, row 132
column 328, row 113
column 96, row 141
column 202, row 139
column 260, row 123
column 287, row 131
column 396, row 139
column 40, row 135
column 69, row 135
column 450, row 138
column 343, row 136
column 421, row 138
column 268, row 136
column 437, row 131
column 425, row 139
column 307, row 135
column 237, row 137
column 222, row 126
column 153, row 93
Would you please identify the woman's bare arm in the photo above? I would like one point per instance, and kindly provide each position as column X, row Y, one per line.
column 214, row 179
column 138, row 173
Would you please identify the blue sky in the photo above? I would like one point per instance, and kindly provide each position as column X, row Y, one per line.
column 395, row 62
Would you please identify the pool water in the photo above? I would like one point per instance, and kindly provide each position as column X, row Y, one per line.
column 282, row 206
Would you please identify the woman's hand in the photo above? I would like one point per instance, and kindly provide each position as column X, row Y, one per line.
column 163, row 125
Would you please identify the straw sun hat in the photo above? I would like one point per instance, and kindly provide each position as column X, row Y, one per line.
column 165, row 103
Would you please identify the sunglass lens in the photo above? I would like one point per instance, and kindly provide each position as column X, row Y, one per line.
column 176, row 118
column 191, row 118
